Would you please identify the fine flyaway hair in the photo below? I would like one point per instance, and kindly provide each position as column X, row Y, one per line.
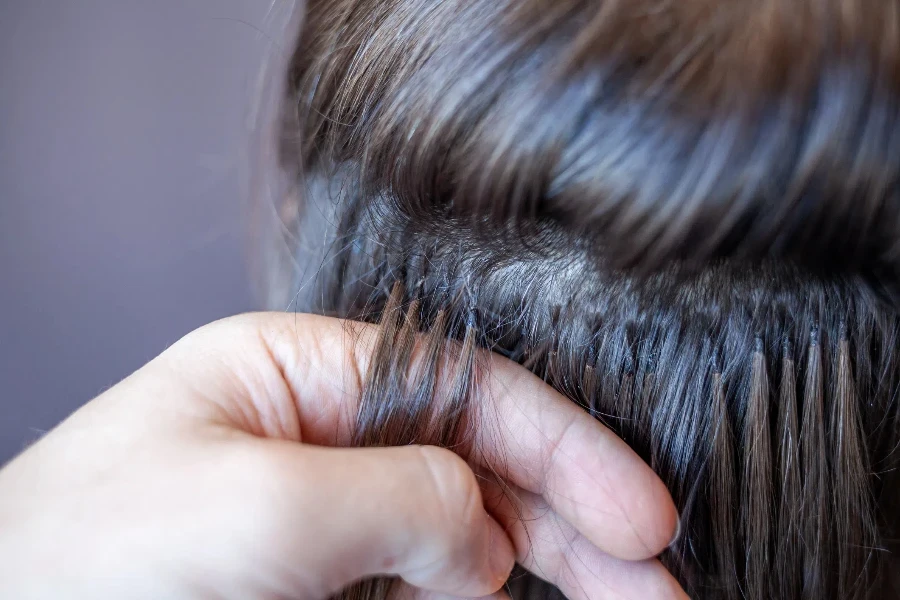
column 684, row 216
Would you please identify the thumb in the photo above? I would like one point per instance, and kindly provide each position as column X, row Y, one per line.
column 415, row 512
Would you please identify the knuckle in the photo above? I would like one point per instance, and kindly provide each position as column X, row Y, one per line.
column 566, row 578
column 559, row 442
column 455, row 491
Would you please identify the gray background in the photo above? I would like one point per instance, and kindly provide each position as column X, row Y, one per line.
column 123, row 219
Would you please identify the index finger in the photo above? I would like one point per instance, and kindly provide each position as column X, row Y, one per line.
column 535, row 437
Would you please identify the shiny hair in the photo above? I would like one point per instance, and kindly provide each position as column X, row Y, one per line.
column 682, row 215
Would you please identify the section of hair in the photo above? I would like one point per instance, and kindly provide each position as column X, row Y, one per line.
column 673, row 212
column 695, row 129
column 756, row 503
column 416, row 390
column 789, row 487
column 770, row 461
column 815, row 507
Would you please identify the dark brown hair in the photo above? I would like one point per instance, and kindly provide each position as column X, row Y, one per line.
column 682, row 215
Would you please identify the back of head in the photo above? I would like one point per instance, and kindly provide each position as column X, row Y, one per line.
column 682, row 215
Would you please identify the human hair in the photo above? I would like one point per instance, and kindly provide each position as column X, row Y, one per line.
column 681, row 215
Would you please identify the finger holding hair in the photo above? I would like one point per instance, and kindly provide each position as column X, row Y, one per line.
column 528, row 433
column 219, row 434
column 342, row 515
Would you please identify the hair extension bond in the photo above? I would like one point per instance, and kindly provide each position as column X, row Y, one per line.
column 682, row 215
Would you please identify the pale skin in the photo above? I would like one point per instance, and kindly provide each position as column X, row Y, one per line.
column 221, row 470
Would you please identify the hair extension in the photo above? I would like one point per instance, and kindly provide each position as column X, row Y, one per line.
column 814, row 504
column 684, row 216
column 403, row 401
column 788, row 473
column 757, row 490
column 787, row 496
column 856, row 542
column 721, row 501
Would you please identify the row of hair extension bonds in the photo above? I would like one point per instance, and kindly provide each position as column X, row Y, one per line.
column 773, row 408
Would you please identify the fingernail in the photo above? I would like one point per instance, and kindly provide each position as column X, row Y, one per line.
column 677, row 533
column 501, row 557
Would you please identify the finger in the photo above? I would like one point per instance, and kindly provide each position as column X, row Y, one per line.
column 555, row 551
column 300, row 376
column 404, row 591
column 424, row 595
column 276, row 375
column 412, row 512
column 544, row 443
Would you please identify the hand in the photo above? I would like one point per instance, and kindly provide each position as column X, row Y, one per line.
column 220, row 470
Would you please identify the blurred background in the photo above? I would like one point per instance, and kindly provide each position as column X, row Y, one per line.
column 123, row 204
